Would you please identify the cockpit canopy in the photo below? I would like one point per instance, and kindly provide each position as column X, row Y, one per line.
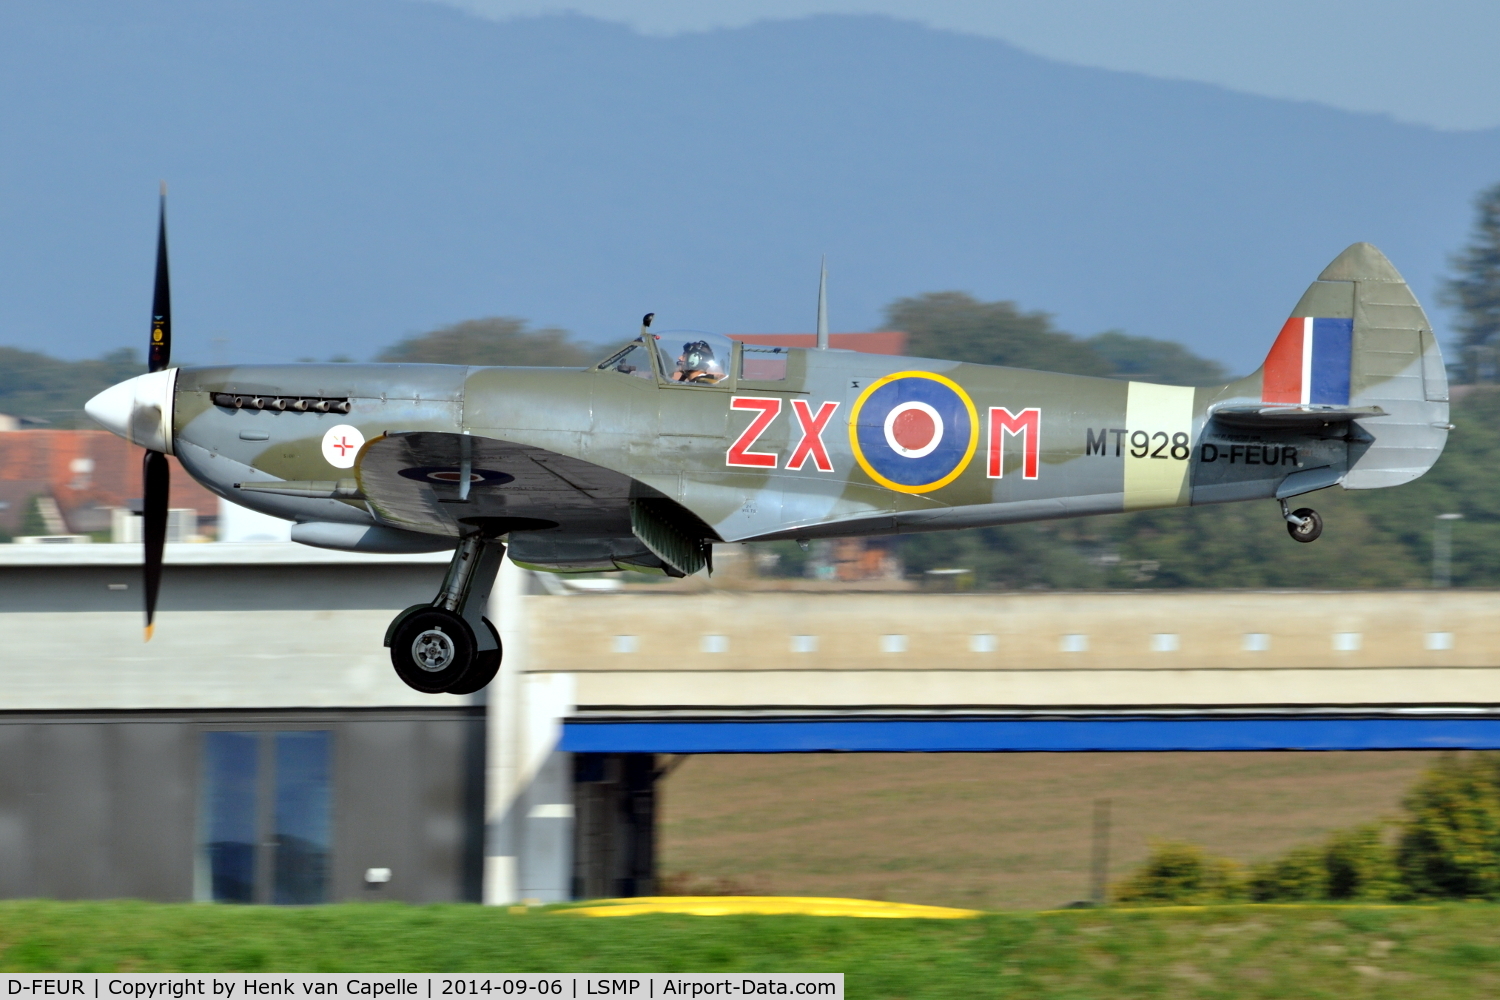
column 702, row 358
column 688, row 357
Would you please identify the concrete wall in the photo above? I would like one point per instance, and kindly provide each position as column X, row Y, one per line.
column 725, row 651
column 238, row 626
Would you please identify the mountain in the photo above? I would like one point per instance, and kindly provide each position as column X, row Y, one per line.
column 348, row 172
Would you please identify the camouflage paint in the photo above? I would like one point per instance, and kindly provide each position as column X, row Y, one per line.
column 1104, row 445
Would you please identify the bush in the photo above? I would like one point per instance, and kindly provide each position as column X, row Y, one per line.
column 1447, row 847
column 1354, row 864
column 1301, row 873
column 1362, row 866
column 1450, row 841
column 1183, row 874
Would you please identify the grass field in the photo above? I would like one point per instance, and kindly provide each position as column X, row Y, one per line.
column 1241, row 952
column 996, row 831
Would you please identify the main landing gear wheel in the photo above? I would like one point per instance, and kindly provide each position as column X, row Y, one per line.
column 434, row 650
column 433, row 646
column 484, row 668
column 1309, row 528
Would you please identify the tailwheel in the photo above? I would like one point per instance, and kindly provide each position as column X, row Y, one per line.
column 433, row 650
column 1307, row 526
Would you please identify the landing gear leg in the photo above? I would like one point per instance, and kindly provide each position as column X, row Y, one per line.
column 448, row 645
column 1303, row 524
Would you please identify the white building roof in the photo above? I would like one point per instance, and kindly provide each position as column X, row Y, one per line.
column 202, row 554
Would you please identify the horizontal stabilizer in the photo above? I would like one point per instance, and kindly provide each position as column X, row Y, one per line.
column 1288, row 416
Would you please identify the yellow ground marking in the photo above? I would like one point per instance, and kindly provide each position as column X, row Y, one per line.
column 1160, row 481
column 724, row 906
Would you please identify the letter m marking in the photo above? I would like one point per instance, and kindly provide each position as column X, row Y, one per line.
column 1028, row 426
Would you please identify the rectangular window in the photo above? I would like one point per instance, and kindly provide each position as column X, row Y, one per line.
column 1164, row 642
column 1075, row 642
column 1255, row 642
column 302, row 806
column 1438, row 641
column 763, row 364
column 265, row 825
column 230, row 831
column 982, row 642
column 1347, row 642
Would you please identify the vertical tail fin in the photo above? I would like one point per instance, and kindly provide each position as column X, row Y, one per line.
column 1359, row 339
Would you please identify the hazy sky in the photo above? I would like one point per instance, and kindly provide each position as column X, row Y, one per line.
column 1432, row 61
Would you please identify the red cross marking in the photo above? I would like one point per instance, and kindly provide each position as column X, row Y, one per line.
column 343, row 445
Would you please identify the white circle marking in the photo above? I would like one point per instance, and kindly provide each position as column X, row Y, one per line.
column 926, row 449
column 341, row 445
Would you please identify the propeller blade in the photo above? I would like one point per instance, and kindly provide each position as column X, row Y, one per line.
column 157, row 476
column 160, row 350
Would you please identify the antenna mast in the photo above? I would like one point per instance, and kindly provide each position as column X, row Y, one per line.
column 823, row 305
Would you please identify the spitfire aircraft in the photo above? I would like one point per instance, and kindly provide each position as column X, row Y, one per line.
column 645, row 459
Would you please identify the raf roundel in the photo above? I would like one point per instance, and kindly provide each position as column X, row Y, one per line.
column 913, row 431
column 341, row 444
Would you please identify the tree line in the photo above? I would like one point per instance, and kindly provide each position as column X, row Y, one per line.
column 1445, row 844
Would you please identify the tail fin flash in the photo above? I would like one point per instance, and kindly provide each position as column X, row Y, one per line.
column 1310, row 363
column 1359, row 347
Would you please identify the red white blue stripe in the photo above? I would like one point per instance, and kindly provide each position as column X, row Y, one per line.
column 1309, row 363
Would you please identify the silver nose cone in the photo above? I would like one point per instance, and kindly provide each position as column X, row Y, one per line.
column 138, row 409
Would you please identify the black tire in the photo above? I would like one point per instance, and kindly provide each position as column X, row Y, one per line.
column 432, row 650
column 1310, row 528
column 486, row 666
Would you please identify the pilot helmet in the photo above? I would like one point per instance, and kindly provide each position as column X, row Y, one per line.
column 697, row 356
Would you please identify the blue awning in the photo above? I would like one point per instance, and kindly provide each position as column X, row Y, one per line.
column 943, row 735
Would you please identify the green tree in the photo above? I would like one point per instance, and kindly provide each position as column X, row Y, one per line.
column 52, row 392
column 1010, row 557
column 1149, row 360
column 32, row 522
column 496, row 340
column 1475, row 290
column 956, row 326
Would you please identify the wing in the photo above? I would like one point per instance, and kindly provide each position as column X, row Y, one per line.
column 414, row 481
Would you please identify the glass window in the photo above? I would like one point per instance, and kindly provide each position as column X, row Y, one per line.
column 230, row 773
column 694, row 358
column 302, row 807
column 277, row 782
column 762, row 364
column 633, row 359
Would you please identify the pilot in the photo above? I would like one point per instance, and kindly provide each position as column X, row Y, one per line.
column 698, row 365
